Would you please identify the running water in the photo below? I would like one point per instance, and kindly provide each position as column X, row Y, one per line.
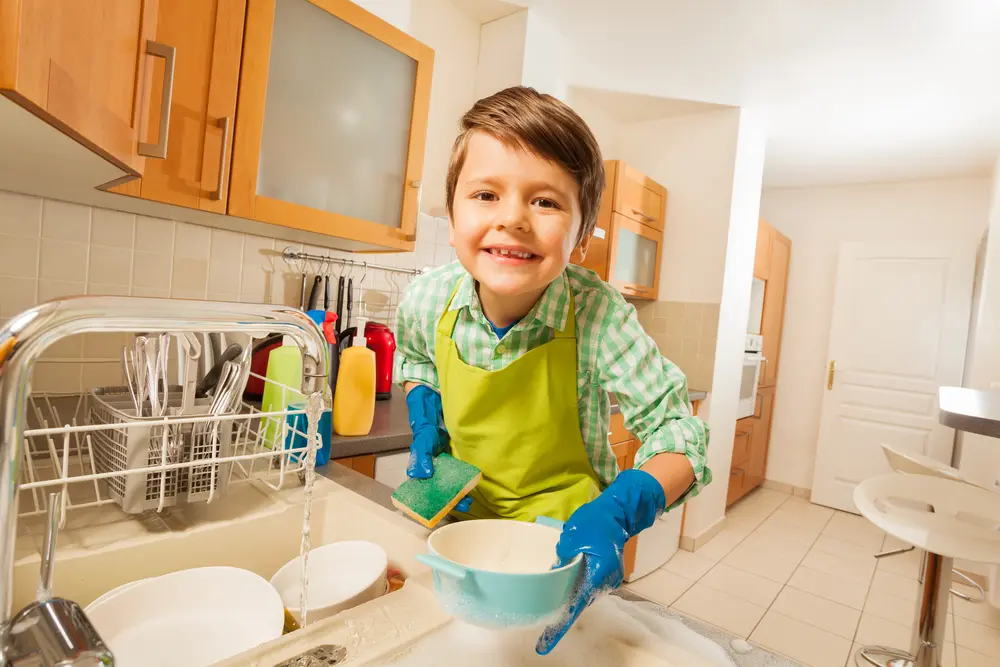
column 314, row 409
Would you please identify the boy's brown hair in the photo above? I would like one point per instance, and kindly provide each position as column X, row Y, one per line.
column 539, row 123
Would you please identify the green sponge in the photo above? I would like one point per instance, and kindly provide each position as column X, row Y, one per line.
column 427, row 501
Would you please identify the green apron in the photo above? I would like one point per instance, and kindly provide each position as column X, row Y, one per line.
column 519, row 425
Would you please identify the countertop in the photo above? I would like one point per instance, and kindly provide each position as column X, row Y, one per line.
column 391, row 428
column 972, row 410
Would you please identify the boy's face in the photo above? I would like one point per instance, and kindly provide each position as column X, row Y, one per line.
column 515, row 217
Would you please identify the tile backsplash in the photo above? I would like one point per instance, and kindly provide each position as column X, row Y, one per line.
column 685, row 333
column 51, row 249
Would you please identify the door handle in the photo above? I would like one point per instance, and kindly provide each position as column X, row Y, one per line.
column 641, row 214
column 636, row 288
column 226, row 124
column 830, row 373
column 167, row 52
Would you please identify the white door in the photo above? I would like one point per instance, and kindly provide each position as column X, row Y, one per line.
column 899, row 329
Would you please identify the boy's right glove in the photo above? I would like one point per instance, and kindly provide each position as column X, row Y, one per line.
column 424, row 406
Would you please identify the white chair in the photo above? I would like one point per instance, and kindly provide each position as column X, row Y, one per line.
column 945, row 518
column 911, row 463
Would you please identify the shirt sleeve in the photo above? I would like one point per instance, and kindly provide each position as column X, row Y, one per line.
column 653, row 396
column 414, row 359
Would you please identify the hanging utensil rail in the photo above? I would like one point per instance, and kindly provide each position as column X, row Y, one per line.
column 292, row 255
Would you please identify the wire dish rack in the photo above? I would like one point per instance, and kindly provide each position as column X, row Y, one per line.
column 93, row 447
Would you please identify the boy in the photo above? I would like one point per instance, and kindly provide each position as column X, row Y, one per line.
column 517, row 349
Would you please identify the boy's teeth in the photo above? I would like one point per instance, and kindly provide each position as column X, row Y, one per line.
column 503, row 252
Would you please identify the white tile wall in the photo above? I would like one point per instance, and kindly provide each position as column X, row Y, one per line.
column 51, row 249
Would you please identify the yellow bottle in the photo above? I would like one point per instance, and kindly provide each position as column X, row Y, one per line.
column 354, row 399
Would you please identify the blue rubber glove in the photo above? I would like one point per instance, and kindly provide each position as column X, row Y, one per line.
column 424, row 406
column 599, row 531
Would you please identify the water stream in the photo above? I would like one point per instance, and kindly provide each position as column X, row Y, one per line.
column 314, row 409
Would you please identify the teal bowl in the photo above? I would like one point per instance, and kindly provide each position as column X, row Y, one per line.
column 498, row 574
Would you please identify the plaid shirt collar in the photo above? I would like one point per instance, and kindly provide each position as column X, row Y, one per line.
column 550, row 310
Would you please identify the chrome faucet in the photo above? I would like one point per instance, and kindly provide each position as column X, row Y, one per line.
column 22, row 342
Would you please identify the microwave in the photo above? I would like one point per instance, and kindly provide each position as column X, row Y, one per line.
column 753, row 362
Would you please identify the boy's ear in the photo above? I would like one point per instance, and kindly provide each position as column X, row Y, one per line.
column 580, row 252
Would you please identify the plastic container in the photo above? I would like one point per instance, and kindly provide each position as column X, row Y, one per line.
column 354, row 399
column 341, row 575
column 298, row 428
column 496, row 573
column 284, row 375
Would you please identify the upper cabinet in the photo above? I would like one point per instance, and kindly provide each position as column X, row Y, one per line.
column 627, row 244
column 307, row 117
column 84, row 68
column 771, row 262
column 332, row 120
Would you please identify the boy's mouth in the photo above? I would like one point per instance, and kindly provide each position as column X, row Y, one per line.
column 510, row 255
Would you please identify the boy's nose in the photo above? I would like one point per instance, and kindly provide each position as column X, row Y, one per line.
column 513, row 217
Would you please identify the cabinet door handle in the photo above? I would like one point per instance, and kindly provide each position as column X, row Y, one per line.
column 643, row 215
column 225, row 123
column 758, row 406
column 167, row 52
column 636, row 288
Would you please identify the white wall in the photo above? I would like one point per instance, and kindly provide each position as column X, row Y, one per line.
column 693, row 158
column 454, row 36
column 501, row 54
column 607, row 130
column 980, row 456
column 818, row 220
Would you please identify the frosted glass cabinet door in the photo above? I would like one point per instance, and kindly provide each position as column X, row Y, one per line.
column 636, row 259
column 341, row 122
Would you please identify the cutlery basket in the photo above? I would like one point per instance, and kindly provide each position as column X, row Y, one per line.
column 131, row 443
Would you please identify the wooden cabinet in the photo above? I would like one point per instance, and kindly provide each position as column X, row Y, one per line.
column 741, row 457
column 332, row 120
column 773, row 319
column 760, row 438
column 762, row 254
column 364, row 464
column 208, row 35
column 83, row 67
column 627, row 244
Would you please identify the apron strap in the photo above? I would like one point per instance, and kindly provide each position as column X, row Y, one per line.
column 449, row 318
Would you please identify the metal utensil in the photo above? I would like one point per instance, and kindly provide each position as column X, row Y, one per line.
column 350, row 301
column 313, row 302
column 340, row 304
column 140, row 372
column 326, row 292
column 129, row 379
column 302, row 290
column 211, row 379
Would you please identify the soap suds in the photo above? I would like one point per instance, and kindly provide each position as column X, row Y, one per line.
column 611, row 632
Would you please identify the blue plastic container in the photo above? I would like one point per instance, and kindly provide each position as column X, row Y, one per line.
column 298, row 426
column 493, row 596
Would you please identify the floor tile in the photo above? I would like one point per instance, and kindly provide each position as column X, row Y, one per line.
column 832, row 545
column 720, row 609
column 982, row 613
column 894, row 584
column 801, row 513
column 761, row 562
column 890, row 607
column 744, row 585
column 878, row 631
column 979, row 638
column 725, row 541
column 661, row 586
column 905, row 564
column 830, row 587
column 968, row 658
column 800, row 641
column 850, row 657
column 784, row 547
column 854, row 529
column 839, row 619
column 856, row 570
column 689, row 565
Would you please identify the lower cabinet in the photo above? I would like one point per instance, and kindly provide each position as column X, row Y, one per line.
column 363, row 464
column 750, row 446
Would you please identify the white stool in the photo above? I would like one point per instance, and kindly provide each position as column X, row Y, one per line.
column 947, row 520
column 911, row 463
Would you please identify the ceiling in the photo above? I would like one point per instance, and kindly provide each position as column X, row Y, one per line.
column 852, row 90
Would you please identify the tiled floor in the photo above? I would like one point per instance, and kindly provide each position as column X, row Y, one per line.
column 800, row 580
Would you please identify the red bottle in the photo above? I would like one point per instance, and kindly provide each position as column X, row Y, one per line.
column 382, row 342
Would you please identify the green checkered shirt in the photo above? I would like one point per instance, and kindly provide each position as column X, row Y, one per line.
column 614, row 355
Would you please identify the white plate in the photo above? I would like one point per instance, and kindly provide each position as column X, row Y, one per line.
column 341, row 575
column 192, row 617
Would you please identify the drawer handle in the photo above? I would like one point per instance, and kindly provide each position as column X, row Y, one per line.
column 643, row 215
column 225, row 123
column 758, row 406
column 636, row 288
column 158, row 50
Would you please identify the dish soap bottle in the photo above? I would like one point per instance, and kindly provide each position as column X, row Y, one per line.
column 354, row 400
column 284, row 367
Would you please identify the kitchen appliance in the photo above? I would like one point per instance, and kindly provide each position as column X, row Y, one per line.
column 382, row 342
column 753, row 361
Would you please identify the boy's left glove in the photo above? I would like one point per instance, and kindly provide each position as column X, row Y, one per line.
column 599, row 531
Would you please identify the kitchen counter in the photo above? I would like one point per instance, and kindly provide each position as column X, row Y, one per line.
column 391, row 428
column 971, row 410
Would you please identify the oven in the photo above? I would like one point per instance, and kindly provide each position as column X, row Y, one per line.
column 753, row 360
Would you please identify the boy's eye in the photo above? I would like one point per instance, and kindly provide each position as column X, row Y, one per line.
column 546, row 203
column 485, row 196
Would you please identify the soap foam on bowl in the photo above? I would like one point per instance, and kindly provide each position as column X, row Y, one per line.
column 508, row 547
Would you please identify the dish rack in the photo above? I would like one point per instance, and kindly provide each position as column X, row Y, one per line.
column 102, row 453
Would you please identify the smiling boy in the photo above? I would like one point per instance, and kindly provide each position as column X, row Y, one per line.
column 516, row 350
